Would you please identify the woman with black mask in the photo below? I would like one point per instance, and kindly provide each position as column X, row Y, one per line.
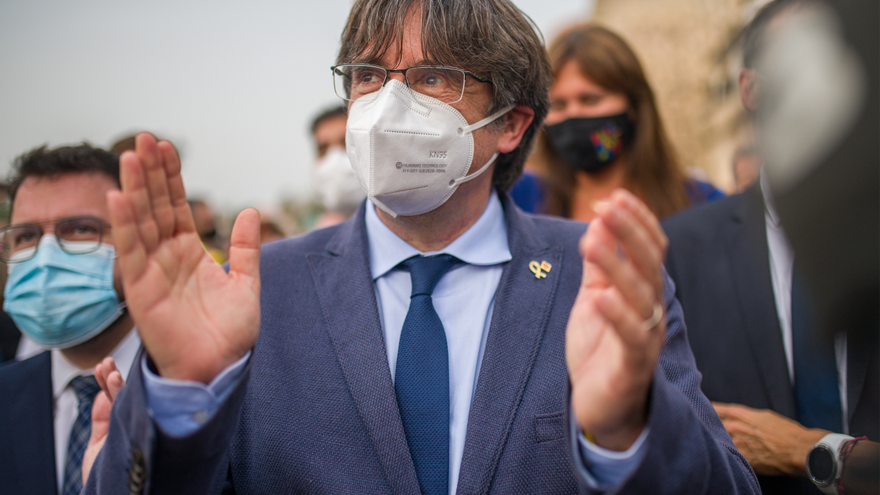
column 603, row 132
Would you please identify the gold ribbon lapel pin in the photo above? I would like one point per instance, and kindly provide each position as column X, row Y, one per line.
column 540, row 269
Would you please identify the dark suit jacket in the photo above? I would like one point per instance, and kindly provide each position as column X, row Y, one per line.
column 719, row 260
column 316, row 412
column 27, row 440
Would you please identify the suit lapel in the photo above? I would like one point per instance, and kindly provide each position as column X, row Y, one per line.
column 746, row 241
column 861, row 346
column 31, row 428
column 348, row 302
column 522, row 308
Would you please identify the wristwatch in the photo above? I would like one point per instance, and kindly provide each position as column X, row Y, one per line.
column 824, row 462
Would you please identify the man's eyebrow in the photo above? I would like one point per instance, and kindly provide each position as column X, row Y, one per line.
column 377, row 62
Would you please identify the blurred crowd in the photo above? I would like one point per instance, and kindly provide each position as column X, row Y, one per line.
column 795, row 398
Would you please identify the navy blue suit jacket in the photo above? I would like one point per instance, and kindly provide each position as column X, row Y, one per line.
column 27, row 440
column 719, row 259
column 316, row 410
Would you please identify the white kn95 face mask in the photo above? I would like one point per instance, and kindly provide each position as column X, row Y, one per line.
column 409, row 151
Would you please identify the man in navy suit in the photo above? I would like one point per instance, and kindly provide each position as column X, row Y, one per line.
column 441, row 340
column 63, row 292
column 734, row 272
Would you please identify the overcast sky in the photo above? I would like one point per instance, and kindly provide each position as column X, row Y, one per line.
column 233, row 84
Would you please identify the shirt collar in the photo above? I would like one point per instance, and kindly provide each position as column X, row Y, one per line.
column 769, row 205
column 484, row 243
column 63, row 370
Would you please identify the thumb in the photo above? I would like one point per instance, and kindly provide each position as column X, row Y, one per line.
column 244, row 246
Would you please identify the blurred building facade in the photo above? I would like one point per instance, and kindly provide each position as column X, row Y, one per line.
column 692, row 54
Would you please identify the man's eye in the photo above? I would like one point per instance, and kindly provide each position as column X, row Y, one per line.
column 367, row 77
column 84, row 230
column 557, row 105
column 25, row 237
column 431, row 79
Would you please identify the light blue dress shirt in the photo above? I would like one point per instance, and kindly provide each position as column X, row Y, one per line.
column 464, row 300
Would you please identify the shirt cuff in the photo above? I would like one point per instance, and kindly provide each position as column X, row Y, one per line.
column 181, row 407
column 603, row 468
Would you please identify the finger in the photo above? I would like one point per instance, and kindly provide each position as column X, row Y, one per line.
column 129, row 247
column 644, row 215
column 115, row 382
column 627, row 323
column 183, row 219
column 634, row 240
column 620, row 271
column 723, row 410
column 135, row 189
column 244, row 247
column 152, row 160
column 593, row 276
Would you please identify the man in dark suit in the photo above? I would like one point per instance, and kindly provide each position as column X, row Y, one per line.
column 64, row 293
column 440, row 341
column 736, row 278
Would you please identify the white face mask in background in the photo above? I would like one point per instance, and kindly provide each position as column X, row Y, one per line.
column 410, row 151
column 337, row 186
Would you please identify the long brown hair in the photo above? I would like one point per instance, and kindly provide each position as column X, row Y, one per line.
column 652, row 169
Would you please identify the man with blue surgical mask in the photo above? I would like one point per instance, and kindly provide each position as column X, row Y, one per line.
column 64, row 293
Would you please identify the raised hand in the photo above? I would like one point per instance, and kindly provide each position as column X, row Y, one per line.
column 111, row 382
column 193, row 318
column 616, row 328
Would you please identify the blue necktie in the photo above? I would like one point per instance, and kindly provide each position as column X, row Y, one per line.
column 86, row 388
column 816, row 391
column 422, row 376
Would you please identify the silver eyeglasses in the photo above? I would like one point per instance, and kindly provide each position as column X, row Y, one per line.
column 76, row 235
column 355, row 81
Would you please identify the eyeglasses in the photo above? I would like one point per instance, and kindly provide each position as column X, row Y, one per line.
column 76, row 235
column 356, row 81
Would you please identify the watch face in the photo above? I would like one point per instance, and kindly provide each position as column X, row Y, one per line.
column 820, row 464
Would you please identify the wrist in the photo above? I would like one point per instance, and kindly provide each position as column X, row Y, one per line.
column 189, row 372
column 618, row 437
column 797, row 458
column 825, row 462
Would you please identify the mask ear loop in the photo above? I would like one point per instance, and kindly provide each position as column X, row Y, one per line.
column 472, row 128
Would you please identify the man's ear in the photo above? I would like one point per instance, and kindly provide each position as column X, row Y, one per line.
column 518, row 120
column 748, row 89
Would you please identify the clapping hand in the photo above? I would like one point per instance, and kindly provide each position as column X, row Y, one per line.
column 617, row 326
column 194, row 318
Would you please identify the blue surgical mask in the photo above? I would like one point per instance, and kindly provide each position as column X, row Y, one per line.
column 60, row 299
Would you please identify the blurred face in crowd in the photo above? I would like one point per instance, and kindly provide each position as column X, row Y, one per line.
column 45, row 200
column 573, row 95
column 746, row 170
column 329, row 133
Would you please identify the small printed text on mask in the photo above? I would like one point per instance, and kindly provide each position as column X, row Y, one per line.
column 421, row 168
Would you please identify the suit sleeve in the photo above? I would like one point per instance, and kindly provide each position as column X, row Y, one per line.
column 140, row 457
column 688, row 449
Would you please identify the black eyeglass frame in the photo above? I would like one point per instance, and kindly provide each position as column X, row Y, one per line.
column 5, row 256
column 333, row 72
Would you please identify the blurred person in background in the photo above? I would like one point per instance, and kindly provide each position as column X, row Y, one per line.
column 206, row 226
column 604, row 132
column 334, row 180
column 64, row 292
column 782, row 388
column 746, row 167
column 270, row 231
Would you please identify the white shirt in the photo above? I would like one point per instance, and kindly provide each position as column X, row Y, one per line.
column 781, row 270
column 64, row 398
